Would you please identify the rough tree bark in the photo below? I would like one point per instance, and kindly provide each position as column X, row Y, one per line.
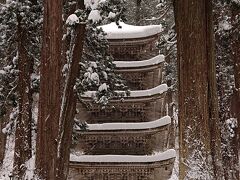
column 69, row 101
column 55, row 126
column 235, row 18
column 23, row 147
column 138, row 9
column 198, row 111
column 2, row 139
column 50, row 91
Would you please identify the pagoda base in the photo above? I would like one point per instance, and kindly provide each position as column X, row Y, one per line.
column 123, row 168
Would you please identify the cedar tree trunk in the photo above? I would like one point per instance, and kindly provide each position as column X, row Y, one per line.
column 198, row 115
column 23, row 125
column 69, row 101
column 50, row 91
column 235, row 10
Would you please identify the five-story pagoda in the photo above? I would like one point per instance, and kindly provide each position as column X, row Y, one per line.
column 127, row 140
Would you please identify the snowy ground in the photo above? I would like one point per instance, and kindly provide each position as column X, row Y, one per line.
column 175, row 170
column 7, row 166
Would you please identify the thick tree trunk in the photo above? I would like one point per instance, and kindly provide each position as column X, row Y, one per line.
column 69, row 101
column 198, row 117
column 23, row 125
column 50, row 91
column 69, row 106
column 214, row 122
column 235, row 9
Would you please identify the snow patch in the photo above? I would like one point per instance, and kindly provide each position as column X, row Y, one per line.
column 72, row 20
column 30, row 168
column 124, row 126
column 225, row 25
column 93, row 4
column 127, row 31
column 94, row 15
column 95, row 77
column 7, row 166
column 153, row 61
column 139, row 93
column 111, row 15
column 2, row 72
column 103, row 87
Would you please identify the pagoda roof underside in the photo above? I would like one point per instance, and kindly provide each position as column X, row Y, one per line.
column 157, row 157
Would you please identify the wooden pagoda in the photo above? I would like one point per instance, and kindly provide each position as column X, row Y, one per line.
column 128, row 139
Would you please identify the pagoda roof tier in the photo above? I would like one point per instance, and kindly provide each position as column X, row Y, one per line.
column 136, row 94
column 140, row 64
column 140, row 106
column 124, row 138
column 141, row 75
column 126, row 31
column 100, row 167
column 130, row 126
column 157, row 157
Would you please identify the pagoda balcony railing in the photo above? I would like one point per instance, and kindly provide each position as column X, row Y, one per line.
column 124, row 138
column 155, row 167
column 140, row 75
column 134, row 49
column 140, row 106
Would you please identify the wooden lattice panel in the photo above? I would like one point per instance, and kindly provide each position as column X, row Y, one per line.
column 138, row 142
column 129, row 110
column 133, row 49
column 125, row 171
column 145, row 78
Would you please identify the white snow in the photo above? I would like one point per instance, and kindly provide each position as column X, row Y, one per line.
column 153, row 61
column 7, row 166
column 94, row 15
column 232, row 124
column 124, row 126
column 30, row 168
column 175, row 171
column 111, row 15
column 93, row 4
column 95, row 77
column 150, row 92
column 2, row 72
column 7, row 68
column 129, row 31
column 139, row 93
column 103, row 87
column 93, row 64
column 236, row 1
column 160, row 156
column 7, row 128
column 72, row 20
column 225, row 25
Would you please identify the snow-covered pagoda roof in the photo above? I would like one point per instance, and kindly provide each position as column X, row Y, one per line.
column 160, row 156
column 131, row 126
column 150, row 62
column 129, row 31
